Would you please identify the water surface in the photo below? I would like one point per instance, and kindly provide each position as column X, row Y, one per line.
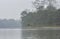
column 10, row 33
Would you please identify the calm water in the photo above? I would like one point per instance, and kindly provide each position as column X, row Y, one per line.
column 10, row 33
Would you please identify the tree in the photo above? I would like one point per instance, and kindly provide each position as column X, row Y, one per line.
column 24, row 13
column 44, row 16
column 41, row 3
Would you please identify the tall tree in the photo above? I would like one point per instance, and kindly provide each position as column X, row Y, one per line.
column 44, row 16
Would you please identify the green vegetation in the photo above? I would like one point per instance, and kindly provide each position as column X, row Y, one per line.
column 11, row 23
column 43, row 16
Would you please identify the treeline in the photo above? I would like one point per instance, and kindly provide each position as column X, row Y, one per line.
column 11, row 23
column 43, row 16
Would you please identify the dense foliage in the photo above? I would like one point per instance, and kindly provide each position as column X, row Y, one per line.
column 49, row 16
column 11, row 23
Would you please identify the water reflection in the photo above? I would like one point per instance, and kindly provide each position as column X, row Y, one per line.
column 10, row 34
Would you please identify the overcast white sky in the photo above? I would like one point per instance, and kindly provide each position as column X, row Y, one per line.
column 11, row 9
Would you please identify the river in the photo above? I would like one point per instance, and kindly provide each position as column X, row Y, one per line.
column 10, row 33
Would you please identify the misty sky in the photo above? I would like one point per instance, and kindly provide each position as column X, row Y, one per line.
column 11, row 9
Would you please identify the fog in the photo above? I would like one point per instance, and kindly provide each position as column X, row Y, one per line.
column 11, row 9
